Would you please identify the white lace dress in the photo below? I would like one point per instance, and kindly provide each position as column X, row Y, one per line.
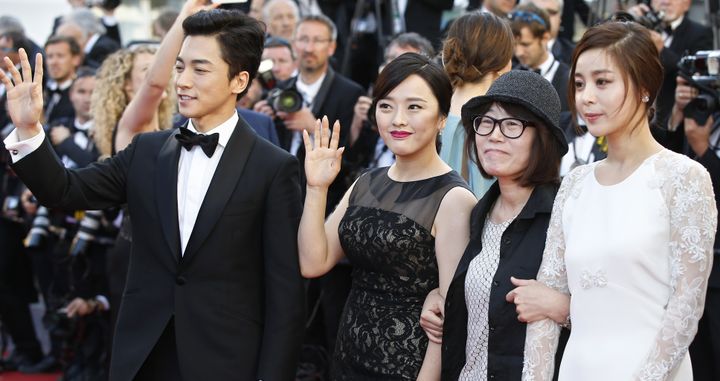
column 635, row 257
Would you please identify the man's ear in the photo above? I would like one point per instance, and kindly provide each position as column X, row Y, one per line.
column 331, row 47
column 240, row 82
column 77, row 60
column 546, row 38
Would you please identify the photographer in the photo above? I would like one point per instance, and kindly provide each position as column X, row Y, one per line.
column 701, row 141
column 324, row 92
column 674, row 35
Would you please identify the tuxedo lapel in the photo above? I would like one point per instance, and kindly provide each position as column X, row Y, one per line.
column 166, row 192
column 222, row 185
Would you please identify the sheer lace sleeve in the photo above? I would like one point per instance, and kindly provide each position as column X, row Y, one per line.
column 693, row 219
column 542, row 336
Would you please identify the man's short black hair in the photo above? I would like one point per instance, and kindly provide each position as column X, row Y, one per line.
column 241, row 38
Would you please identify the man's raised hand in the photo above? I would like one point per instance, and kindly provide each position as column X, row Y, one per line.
column 24, row 95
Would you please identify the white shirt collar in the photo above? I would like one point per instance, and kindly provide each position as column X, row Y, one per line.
column 225, row 129
column 91, row 42
column 547, row 65
column 677, row 22
column 551, row 43
column 83, row 126
column 53, row 85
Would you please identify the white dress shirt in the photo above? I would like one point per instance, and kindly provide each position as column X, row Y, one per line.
column 195, row 171
column 549, row 67
column 308, row 91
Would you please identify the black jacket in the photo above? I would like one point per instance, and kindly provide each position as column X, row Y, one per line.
column 560, row 83
column 563, row 50
column 689, row 37
column 521, row 252
column 103, row 47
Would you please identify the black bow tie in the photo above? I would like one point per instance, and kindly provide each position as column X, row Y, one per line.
column 189, row 139
column 668, row 30
column 537, row 71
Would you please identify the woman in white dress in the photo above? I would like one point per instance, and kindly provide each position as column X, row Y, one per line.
column 631, row 236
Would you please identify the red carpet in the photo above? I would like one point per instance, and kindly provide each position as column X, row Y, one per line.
column 17, row 376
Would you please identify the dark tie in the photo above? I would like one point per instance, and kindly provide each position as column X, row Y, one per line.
column 668, row 30
column 537, row 71
column 189, row 139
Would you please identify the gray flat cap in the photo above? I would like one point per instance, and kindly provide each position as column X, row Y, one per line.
column 527, row 89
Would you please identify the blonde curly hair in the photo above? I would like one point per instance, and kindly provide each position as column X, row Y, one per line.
column 109, row 99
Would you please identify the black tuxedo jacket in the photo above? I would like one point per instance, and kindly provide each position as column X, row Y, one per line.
column 236, row 296
column 689, row 37
column 103, row 47
column 560, row 83
column 563, row 50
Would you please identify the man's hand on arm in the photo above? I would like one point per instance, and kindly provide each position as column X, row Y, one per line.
column 58, row 134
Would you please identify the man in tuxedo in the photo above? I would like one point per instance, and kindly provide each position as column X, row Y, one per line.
column 530, row 26
column 63, row 57
column 214, row 288
column 82, row 25
column 324, row 92
column 680, row 36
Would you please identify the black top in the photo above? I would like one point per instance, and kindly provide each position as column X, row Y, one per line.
column 521, row 252
column 386, row 235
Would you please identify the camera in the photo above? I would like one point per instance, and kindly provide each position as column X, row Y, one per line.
column 88, row 230
column 285, row 99
column 40, row 229
column 702, row 71
column 652, row 20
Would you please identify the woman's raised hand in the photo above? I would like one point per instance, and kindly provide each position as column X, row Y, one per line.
column 322, row 155
column 24, row 94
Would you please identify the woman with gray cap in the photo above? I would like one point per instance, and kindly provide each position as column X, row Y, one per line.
column 513, row 135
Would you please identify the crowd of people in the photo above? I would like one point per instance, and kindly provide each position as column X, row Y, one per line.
column 323, row 190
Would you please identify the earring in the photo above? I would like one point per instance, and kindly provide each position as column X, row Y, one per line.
column 645, row 99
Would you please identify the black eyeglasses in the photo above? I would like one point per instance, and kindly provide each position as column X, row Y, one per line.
column 511, row 128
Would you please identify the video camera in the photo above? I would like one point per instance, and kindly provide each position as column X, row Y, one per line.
column 702, row 71
column 279, row 98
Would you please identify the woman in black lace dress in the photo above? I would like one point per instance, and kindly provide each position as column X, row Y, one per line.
column 402, row 227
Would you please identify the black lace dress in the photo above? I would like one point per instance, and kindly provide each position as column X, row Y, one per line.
column 386, row 235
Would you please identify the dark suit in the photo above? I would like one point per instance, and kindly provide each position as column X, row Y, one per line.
column 336, row 98
column 103, row 47
column 560, row 83
column 112, row 31
column 233, row 304
column 689, row 37
column 563, row 50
